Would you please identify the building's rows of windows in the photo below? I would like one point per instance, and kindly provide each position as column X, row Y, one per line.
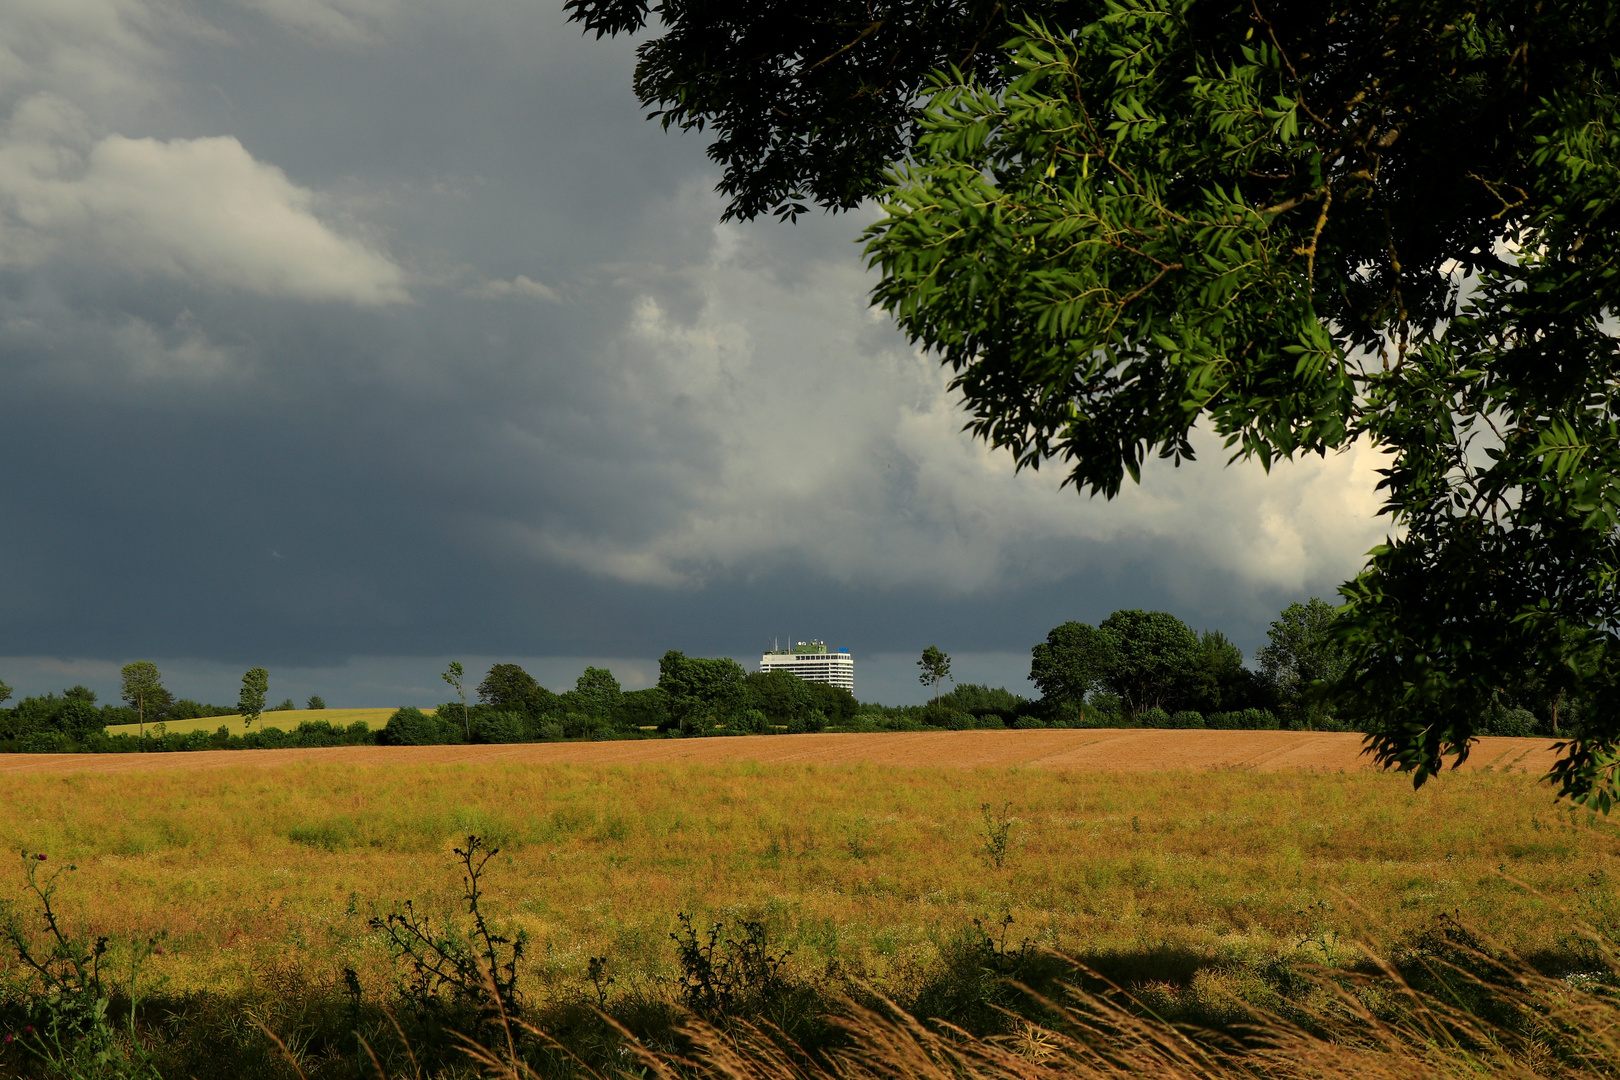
column 832, row 668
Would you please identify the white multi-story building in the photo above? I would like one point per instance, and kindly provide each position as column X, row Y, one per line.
column 813, row 662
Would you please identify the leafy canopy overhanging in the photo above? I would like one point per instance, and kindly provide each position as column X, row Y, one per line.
column 1385, row 222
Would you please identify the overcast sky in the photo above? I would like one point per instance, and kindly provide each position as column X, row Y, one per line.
column 346, row 337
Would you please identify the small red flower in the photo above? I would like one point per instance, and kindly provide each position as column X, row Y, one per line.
column 40, row 856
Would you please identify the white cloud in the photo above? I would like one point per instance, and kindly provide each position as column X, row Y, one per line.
column 204, row 211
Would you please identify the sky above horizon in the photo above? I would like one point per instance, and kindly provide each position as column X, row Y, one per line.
column 346, row 337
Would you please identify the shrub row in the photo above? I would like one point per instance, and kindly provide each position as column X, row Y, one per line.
column 1244, row 720
column 308, row 733
column 413, row 727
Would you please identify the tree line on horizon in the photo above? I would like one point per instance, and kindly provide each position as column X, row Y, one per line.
column 1133, row 669
column 1150, row 669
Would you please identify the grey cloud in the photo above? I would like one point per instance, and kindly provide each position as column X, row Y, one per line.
column 343, row 22
column 498, row 384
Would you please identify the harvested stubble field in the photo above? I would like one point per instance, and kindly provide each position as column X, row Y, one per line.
column 860, row 853
column 1090, row 749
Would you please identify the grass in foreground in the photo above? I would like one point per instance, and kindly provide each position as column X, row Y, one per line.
column 1448, row 1004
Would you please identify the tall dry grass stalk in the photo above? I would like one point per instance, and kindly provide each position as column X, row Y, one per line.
column 1522, row 1026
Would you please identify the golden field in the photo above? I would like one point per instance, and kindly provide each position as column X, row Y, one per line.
column 860, row 869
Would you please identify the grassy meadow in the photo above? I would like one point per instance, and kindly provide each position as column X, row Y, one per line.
column 255, row 872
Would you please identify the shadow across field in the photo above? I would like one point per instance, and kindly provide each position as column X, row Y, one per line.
column 1445, row 1002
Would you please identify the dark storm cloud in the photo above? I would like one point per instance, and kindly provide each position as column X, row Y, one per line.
column 339, row 328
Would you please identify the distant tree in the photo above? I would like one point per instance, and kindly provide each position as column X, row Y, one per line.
column 287, row 705
column 187, row 709
column 597, row 692
column 1155, row 658
column 1071, row 663
column 5, row 692
column 511, row 689
column 699, row 688
column 73, row 716
column 1301, row 658
column 315, row 702
column 780, row 695
column 142, row 682
column 1221, row 682
column 79, row 719
column 506, row 685
column 936, row 668
column 643, row 708
column 454, row 675
column 981, row 701
column 250, row 702
column 834, row 702
column 413, row 727
column 51, row 716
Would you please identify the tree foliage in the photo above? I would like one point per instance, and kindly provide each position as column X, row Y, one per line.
column 780, row 695
column 142, row 689
column 936, row 668
column 1146, row 660
column 699, row 690
column 508, row 688
column 597, row 692
column 1071, row 663
column 1154, row 656
column 644, row 708
column 1304, row 660
column 1221, row 682
column 250, row 702
column 990, row 705
column 73, row 716
column 808, row 103
column 413, row 727
column 456, row 676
